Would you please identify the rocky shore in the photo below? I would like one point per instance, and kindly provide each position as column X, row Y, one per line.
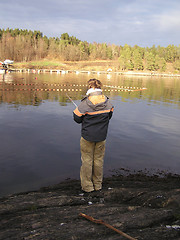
column 144, row 207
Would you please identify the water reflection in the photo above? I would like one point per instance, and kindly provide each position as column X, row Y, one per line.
column 40, row 141
column 31, row 89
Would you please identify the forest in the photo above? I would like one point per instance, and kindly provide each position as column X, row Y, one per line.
column 26, row 45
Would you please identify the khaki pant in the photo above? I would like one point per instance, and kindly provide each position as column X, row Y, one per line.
column 92, row 157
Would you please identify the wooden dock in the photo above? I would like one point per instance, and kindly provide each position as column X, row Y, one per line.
column 61, row 71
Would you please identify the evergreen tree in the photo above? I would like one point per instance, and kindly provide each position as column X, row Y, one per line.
column 137, row 60
column 65, row 39
column 150, row 61
column 125, row 59
column 160, row 63
column 171, row 53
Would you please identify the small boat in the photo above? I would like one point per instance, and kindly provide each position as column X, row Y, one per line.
column 4, row 66
column 8, row 62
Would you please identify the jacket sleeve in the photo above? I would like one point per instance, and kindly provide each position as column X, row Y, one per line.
column 78, row 117
column 111, row 113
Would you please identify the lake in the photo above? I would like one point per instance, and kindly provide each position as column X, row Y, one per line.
column 40, row 141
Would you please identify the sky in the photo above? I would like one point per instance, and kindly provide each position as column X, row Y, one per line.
column 134, row 22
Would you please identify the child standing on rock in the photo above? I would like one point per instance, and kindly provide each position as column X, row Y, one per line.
column 94, row 113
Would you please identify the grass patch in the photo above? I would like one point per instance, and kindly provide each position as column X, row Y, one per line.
column 41, row 64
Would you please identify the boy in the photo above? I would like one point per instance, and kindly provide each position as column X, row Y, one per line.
column 94, row 113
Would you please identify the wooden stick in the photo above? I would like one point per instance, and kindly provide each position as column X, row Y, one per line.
column 98, row 221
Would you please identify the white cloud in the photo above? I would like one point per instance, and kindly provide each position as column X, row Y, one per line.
column 83, row 29
column 132, row 21
column 169, row 21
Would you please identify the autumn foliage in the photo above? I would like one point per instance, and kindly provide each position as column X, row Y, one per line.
column 27, row 45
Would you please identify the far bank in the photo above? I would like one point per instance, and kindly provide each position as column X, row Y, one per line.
column 98, row 67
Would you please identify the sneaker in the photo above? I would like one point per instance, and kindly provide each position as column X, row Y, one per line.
column 97, row 194
column 85, row 194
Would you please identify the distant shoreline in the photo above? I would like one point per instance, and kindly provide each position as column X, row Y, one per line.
column 128, row 73
column 89, row 67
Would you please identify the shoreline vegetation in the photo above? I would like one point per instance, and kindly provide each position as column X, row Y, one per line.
column 32, row 48
column 98, row 66
column 144, row 207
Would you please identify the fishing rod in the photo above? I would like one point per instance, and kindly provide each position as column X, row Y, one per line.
column 71, row 100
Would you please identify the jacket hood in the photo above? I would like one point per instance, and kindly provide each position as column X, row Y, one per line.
column 97, row 102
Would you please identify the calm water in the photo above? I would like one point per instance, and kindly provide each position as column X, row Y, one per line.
column 40, row 141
